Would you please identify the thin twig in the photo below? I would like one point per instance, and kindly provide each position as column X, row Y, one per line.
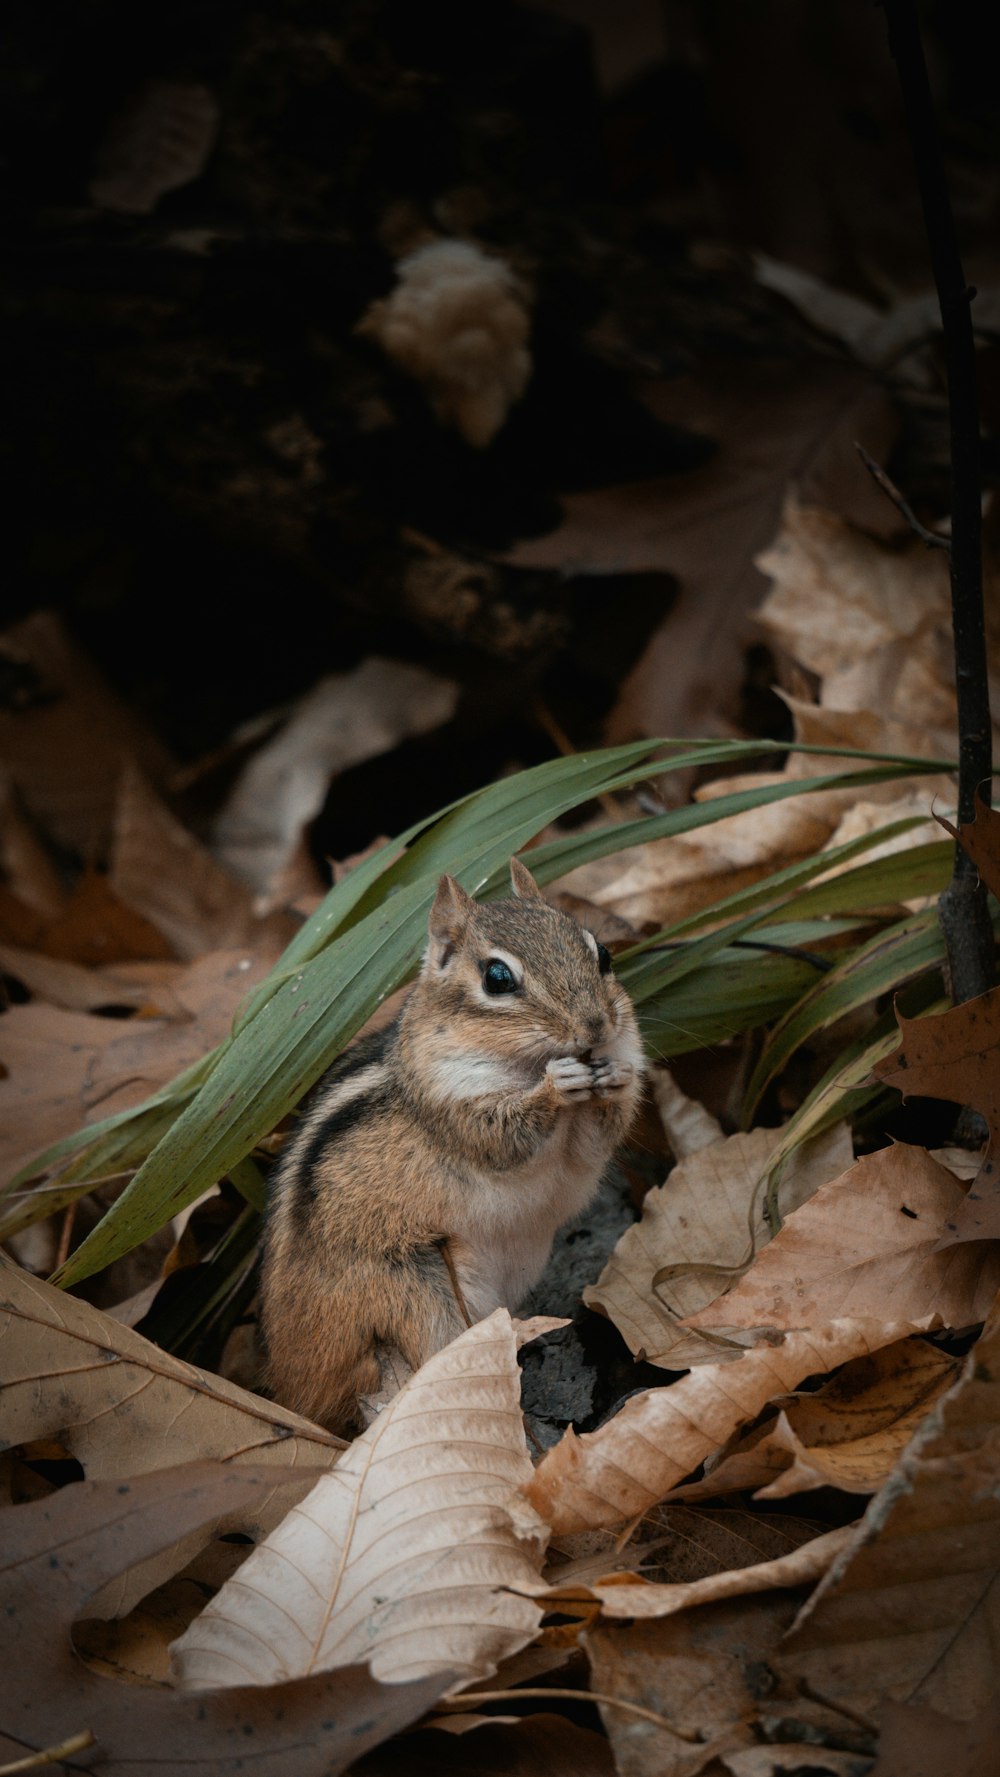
column 933, row 539
column 53, row 1755
column 511, row 1696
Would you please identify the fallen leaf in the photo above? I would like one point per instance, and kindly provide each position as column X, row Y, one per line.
column 918, row 1742
column 848, row 1434
column 65, row 1069
column 688, row 1126
column 407, row 1553
column 659, row 1437
column 629, row 1595
column 864, row 1246
column 980, row 839
column 704, row 1222
column 956, row 1055
column 69, row 787
column 163, row 872
column 699, row 1672
column 911, row 1609
column 344, row 719
column 74, row 987
column 62, row 1551
column 121, row 1405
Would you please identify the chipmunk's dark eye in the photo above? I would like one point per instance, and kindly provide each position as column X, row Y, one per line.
column 603, row 959
column 497, row 978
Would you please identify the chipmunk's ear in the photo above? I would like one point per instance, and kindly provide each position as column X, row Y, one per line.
column 449, row 917
column 523, row 883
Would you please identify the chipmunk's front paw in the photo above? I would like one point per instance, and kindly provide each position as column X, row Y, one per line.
column 570, row 1078
column 611, row 1077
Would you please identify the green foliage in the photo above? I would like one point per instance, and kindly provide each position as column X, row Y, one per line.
column 820, row 949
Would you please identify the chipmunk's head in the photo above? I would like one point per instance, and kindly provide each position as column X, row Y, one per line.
column 518, row 978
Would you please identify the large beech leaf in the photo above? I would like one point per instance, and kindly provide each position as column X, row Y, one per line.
column 408, row 1554
column 62, row 1551
column 604, row 1477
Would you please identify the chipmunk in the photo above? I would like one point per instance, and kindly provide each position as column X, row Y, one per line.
column 423, row 1188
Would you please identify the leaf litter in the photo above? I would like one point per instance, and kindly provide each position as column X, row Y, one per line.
column 832, row 1366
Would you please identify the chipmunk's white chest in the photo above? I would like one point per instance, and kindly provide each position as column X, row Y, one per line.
column 504, row 1234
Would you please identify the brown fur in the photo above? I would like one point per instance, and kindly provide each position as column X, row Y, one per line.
column 477, row 1120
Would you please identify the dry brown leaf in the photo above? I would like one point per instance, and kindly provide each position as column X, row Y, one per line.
column 61, row 1551
column 956, row 1055
column 122, row 1406
column 917, row 1742
column 65, row 1069
column 628, row 1595
column 407, row 1553
column 697, row 1227
column 78, row 989
column 29, row 873
column 657, row 1438
column 688, row 1126
column 67, row 787
column 911, row 1609
column 163, row 872
column 707, row 527
column 700, row 1672
column 848, row 1434
column 344, row 719
column 872, row 622
column 864, row 1246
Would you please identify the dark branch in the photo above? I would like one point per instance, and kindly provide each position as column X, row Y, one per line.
column 932, row 539
column 965, row 920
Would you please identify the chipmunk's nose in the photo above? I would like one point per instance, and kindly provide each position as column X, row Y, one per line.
column 590, row 1031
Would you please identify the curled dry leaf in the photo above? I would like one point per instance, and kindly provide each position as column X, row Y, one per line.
column 702, row 1224
column 911, row 1609
column 658, row 1437
column 956, row 1055
column 848, row 1434
column 629, row 1595
column 407, row 1554
column 122, row 1406
column 864, row 1246
column 159, row 142
column 63, row 1551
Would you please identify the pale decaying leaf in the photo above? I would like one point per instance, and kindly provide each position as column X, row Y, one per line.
column 61, row 1552
column 628, row 1595
column 911, row 1609
column 847, row 1434
column 345, row 718
column 659, row 1437
column 706, row 1220
column 406, row 1554
column 122, row 1406
column 864, row 1246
